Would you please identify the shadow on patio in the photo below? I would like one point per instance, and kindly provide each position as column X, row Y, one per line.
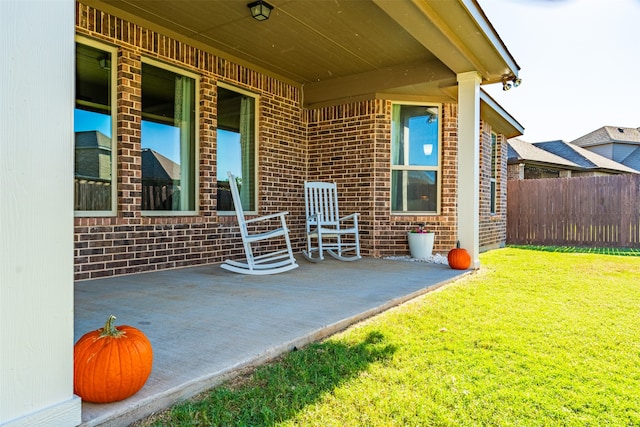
column 206, row 324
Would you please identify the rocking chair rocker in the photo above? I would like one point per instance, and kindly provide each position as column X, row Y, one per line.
column 272, row 262
column 325, row 225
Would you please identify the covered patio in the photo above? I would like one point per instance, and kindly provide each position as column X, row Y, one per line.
column 324, row 82
column 207, row 324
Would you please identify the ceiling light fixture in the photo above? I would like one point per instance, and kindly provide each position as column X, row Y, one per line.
column 260, row 10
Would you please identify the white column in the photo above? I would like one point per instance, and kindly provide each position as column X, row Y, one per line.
column 469, row 164
column 36, row 213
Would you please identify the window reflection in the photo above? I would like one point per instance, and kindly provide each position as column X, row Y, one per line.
column 168, row 140
column 236, row 147
column 92, row 127
column 415, row 158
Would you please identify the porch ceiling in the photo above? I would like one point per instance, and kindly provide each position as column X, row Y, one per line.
column 338, row 50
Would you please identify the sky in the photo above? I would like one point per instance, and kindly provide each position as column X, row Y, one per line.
column 579, row 61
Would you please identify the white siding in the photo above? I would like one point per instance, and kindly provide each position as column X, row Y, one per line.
column 36, row 213
column 622, row 151
column 605, row 150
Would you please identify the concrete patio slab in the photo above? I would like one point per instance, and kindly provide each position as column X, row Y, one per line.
column 205, row 324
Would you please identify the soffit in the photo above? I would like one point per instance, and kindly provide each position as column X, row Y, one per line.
column 336, row 49
column 500, row 120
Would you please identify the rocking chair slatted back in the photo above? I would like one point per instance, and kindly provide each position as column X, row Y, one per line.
column 322, row 204
column 337, row 235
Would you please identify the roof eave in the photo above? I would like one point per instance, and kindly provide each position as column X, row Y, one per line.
column 544, row 164
column 503, row 122
column 450, row 31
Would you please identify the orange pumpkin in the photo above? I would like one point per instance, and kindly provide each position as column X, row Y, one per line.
column 459, row 259
column 111, row 364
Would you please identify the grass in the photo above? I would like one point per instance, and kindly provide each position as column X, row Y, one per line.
column 577, row 249
column 533, row 339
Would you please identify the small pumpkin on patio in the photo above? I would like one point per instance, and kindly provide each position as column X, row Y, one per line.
column 459, row 258
column 111, row 364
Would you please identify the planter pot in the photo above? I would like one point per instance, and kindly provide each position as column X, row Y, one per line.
column 421, row 244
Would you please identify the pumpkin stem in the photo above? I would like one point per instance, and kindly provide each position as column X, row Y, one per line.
column 109, row 330
column 458, row 244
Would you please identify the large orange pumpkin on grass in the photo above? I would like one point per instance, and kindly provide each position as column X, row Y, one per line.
column 111, row 364
column 459, row 258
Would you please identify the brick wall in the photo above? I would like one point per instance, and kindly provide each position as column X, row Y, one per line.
column 492, row 226
column 532, row 172
column 130, row 242
column 515, row 171
column 342, row 148
column 349, row 144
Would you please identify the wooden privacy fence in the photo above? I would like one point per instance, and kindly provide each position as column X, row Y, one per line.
column 601, row 211
column 160, row 197
column 92, row 195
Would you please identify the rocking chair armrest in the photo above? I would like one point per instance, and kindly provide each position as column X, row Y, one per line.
column 353, row 216
column 262, row 218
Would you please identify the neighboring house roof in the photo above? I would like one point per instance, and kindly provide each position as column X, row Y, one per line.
column 584, row 158
column 92, row 139
column 521, row 151
column 633, row 159
column 155, row 166
column 608, row 134
column 614, row 142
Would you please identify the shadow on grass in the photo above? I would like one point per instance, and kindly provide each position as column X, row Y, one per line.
column 277, row 391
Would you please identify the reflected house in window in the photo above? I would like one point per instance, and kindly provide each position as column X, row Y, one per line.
column 93, row 155
column 92, row 171
column 161, row 181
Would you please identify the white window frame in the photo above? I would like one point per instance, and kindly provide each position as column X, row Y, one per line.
column 113, row 50
column 256, row 99
column 196, row 143
column 437, row 169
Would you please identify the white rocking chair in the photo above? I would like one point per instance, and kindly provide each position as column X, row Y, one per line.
column 323, row 223
column 271, row 262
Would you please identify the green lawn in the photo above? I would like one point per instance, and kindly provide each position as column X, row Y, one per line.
column 600, row 251
column 534, row 338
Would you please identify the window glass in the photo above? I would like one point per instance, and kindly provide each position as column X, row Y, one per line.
column 93, row 124
column 236, row 135
column 415, row 158
column 168, row 132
